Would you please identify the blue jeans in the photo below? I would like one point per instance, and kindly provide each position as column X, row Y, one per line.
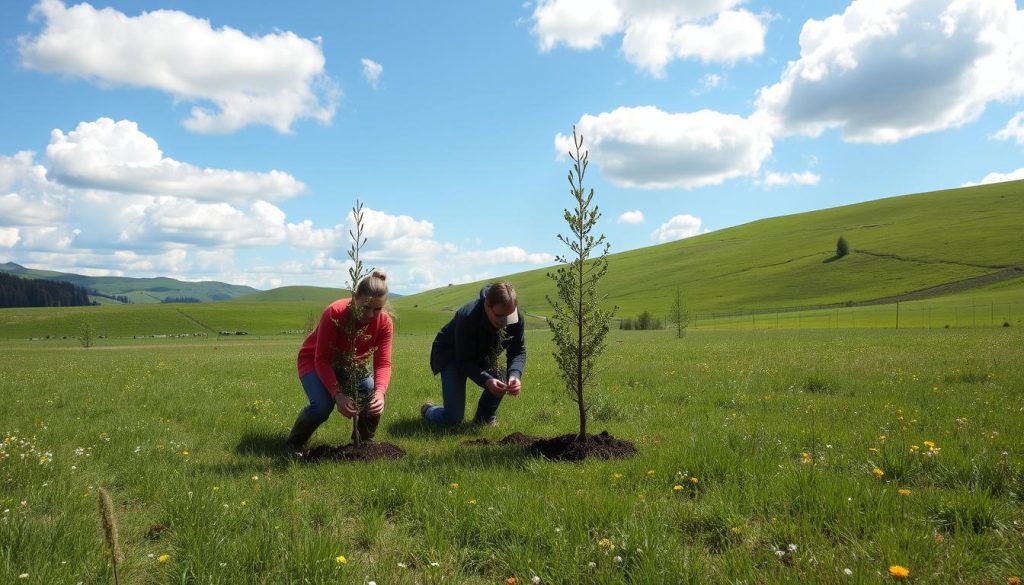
column 453, row 392
column 319, row 408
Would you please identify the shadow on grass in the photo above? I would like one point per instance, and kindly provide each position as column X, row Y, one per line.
column 417, row 428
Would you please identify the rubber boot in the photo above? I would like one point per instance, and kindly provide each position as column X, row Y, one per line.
column 302, row 430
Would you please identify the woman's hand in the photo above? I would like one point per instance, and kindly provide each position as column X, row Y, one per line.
column 376, row 405
column 345, row 405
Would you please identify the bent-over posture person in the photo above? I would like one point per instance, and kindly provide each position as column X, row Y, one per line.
column 467, row 348
column 325, row 346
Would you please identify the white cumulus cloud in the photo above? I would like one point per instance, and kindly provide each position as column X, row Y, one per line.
column 773, row 179
column 117, row 156
column 9, row 236
column 634, row 216
column 648, row 148
column 655, row 32
column 1014, row 129
column 270, row 80
column 677, row 228
column 372, row 72
column 882, row 72
column 995, row 177
column 506, row 255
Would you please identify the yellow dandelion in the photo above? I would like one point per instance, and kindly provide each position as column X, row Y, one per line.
column 873, row 450
column 606, row 543
column 899, row 572
column 677, row 488
column 650, row 473
column 471, row 502
column 806, row 457
column 929, row 444
column 914, row 448
column 881, row 438
column 163, row 558
column 340, row 559
column 455, row 486
column 694, row 480
column 616, row 476
column 903, row 492
column 184, row 453
column 877, row 472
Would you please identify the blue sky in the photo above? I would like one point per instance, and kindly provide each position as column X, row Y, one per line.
column 228, row 140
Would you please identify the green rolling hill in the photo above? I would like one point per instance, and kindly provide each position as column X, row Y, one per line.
column 948, row 251
column 914, row 246
column 138, row 290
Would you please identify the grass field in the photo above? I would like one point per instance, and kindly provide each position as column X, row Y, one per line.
column 766, row 456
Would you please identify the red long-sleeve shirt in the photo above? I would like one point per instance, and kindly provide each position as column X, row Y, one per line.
column 319, row 349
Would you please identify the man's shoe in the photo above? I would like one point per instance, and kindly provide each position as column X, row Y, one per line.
column 423, row 409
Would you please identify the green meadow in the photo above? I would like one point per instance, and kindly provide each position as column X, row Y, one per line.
column 822, row 420
column 765, row 456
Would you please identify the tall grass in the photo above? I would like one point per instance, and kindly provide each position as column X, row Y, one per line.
column 773, row 438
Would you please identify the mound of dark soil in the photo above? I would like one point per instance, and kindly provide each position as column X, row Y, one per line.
column 368, row 451
column 569, row 448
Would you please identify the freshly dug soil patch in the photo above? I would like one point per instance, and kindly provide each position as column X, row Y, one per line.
column 516, row 438
column 567, row 448
column 369, row 451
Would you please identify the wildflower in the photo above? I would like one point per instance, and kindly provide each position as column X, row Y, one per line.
column 881, row 438
column 340, row 559
column 914, row 448
column 435, row 564
column 792, row 547
column 471, row 502
column 606, row 543
column 371, row 583
column 899, row 572
column 847, row 572
column 806, row 457
column 403, row 566
column 929, row 444
column 677, row 488
column 737, row 530
column 511, row 581
column 903, row 492
column 877, row 472
column 873, row 450
column 780, row 553
column 616, row 476
column 1013, row 581
column 185, row 453
column 163, row 558
column 455, row 486
column 591, row 564
column 617, row 559
column 535, row 580
column 650, row 473
column 694, row 480
column 23, row 576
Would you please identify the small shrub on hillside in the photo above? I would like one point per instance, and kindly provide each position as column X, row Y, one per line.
column 842, row 248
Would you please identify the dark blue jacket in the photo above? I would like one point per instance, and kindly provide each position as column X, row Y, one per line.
column 469, row 339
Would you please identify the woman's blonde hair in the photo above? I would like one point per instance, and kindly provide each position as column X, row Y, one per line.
column 373, row 285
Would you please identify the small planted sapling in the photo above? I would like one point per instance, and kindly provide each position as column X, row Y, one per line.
column 350, row 368
column 579, row 323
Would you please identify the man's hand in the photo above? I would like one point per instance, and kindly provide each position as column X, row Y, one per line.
column 514, row 386
column 496, row 387
column 376, row 405
column 345, row 405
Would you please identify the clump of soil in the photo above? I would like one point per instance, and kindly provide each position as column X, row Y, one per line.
column 155, row 531
column 368, row 451
column 569, row 448
column 565, row 447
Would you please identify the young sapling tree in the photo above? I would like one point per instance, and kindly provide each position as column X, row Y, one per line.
column 350, row 368
column 579, row 324
column 679, row 314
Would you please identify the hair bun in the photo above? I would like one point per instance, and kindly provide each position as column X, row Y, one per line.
column 380, row 275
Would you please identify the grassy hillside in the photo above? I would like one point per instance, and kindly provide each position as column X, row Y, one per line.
column 899, row 245
column 302, row 294
column 138, row 290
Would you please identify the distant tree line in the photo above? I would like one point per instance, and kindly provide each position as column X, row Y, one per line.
column 123, row 299
column 26, row 292
column 643, row 321
column 181, row 300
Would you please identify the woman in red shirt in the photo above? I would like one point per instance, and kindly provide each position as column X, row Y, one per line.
column 328, row 346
